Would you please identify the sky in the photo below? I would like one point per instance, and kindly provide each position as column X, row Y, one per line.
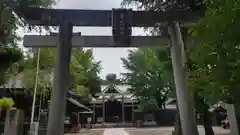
column 110, row 57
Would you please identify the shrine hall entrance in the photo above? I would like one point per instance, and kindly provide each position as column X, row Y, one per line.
column 113, row 105
column 113, row 110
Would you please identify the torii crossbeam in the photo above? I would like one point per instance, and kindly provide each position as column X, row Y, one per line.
column 99, row 41
column 103, row 18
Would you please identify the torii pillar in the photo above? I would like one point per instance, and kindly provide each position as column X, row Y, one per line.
column 185, row 103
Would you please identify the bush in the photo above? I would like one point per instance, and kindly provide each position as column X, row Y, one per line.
column 6, row 103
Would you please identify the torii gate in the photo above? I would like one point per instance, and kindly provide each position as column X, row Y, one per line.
column 121, row 20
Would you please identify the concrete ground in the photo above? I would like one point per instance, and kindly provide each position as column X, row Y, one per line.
column 143, row 131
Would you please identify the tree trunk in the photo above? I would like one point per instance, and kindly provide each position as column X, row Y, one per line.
column 160, row 101
column 178, row 128
column 207, row 123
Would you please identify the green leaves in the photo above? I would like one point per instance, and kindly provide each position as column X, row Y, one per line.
column 111, row 77
column 83, row 70
column 220, row 22
column 6, row 103
column 84, row 73
column 216, row 73
column 83, row 92
column 147, row 77
column 8, row 56
column 9, row 22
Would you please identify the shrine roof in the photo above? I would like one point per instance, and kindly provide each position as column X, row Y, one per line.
column 121, row 88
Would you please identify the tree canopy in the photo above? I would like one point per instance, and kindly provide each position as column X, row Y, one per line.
column 9, row 39
column 84, row 71
column 10, row 22
column 146, row 78
column 8, row 55
column 217, row 69
column 111, row 77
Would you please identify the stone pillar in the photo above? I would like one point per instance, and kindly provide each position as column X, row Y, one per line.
column 14, row 122
column 132, row 111
column 185, row 103
column 123, row 111
column 43, row 121
column 133, row 119
column 232, row 119
column 34, row 128
column 94, row 113
column 61, row 81
column 103, row 108
column 138, row 123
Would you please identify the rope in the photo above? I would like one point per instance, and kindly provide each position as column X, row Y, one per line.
column 35, row 89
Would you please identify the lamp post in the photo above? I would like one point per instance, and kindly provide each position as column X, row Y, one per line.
column 32, row 127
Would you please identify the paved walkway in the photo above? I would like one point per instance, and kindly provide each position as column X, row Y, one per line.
column 115, row 131
column 144, row 131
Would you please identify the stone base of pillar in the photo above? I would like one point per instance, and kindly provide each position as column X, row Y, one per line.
column 14, row 122
column 34, row 128
column 138, row 123
column 232, row 119
column 42, row 128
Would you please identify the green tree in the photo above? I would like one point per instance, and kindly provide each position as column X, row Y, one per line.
column 84, row 71
column 214, row 74
column 140, row 62
column 9, row 24
column 111, row 77
column 216, row 58
column 220, row 46
column 145, row 78
column 26, row 68
column 8, row 56
column 164, row 58
column 198, row 82
column 221, row 49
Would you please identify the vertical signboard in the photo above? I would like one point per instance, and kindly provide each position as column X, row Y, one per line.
column 121, row 27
